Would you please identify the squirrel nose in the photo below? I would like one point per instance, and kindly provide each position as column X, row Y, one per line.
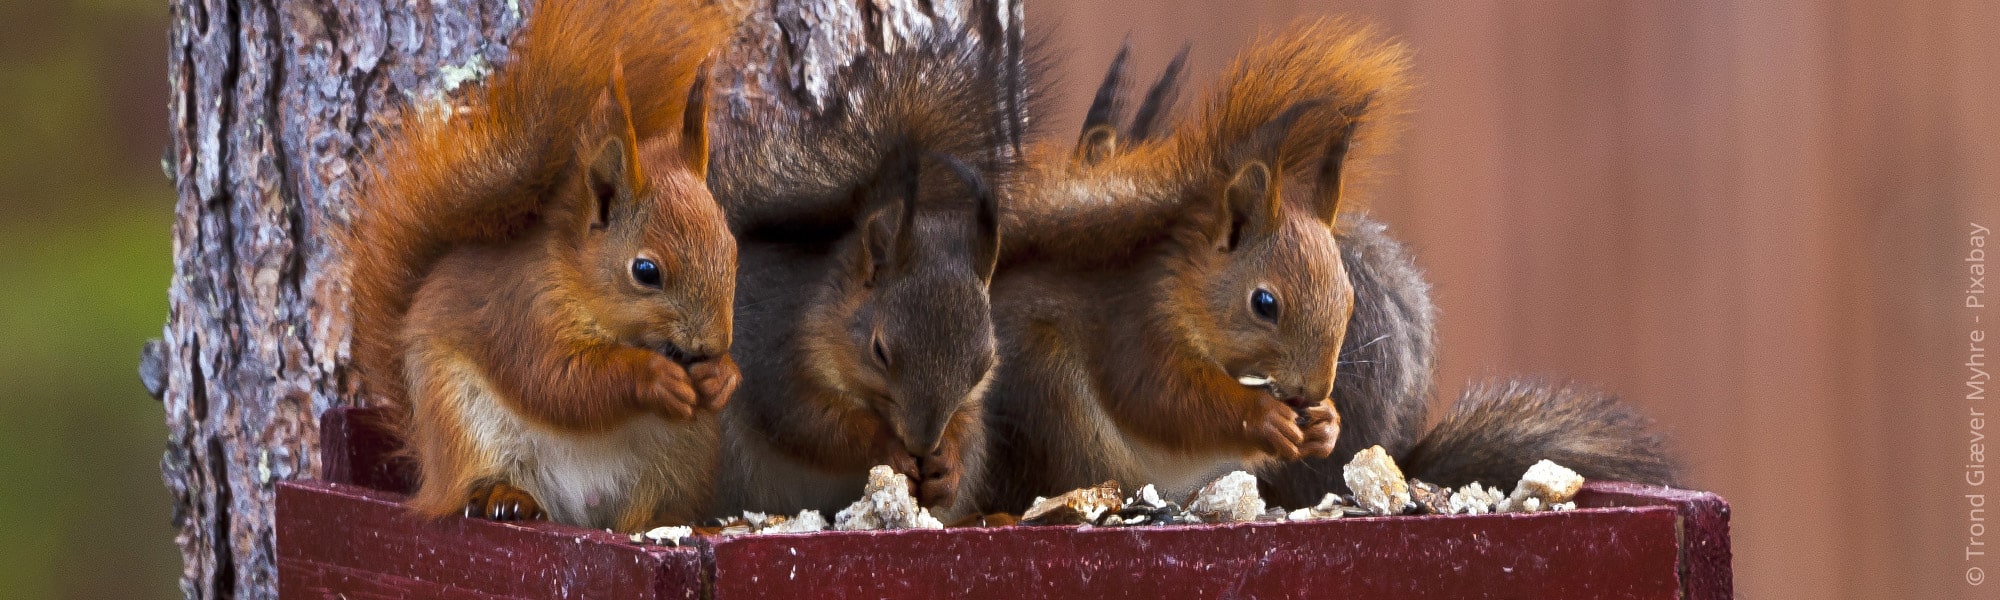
column 919, row 438
column 924, row 444
column 683, row 355
column 1294, row 395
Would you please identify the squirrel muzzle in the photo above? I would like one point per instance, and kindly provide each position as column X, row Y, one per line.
column 920, row 424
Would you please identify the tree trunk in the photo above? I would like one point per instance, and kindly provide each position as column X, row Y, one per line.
column 274, row 104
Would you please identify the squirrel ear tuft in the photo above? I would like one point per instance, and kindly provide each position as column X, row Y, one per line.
column 610, row 181
column 985, row 230
column 694, row 123
column 1109, row 102
column 888, row 226
column 1160, row 100
column 1327, row 184
column 614, row 167
column 1250, row 206
column 1097, row 145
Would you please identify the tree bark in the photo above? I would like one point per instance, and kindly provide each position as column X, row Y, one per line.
column 275, row 103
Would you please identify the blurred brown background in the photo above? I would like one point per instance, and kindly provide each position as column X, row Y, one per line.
column 1748, row 219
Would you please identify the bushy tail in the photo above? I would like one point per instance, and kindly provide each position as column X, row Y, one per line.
column 1348, row 70
column 481, row 172
column 946, row 91
column 1499, row 428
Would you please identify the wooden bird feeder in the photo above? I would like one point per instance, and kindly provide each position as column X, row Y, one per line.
column 347, row 536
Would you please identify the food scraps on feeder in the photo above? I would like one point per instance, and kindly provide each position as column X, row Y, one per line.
column 885, row 503
column 1230, row 499
column 1378, row 484
column 664, row 536
column 1545, row 485
column 1379, row 490
column 807, row 521
column 1077, row 507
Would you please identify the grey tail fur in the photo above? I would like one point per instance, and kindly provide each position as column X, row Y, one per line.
column 1500, row 427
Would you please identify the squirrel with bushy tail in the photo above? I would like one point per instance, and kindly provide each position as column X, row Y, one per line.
column 1271, row 315
column 542, row 281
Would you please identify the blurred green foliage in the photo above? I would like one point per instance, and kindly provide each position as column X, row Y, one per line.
column 85, row 256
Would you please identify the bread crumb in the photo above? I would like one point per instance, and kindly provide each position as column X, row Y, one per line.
column 1079, row 506
column 1232, row 498
column 885, row 503
column 1546, row 484
column 1377, row 482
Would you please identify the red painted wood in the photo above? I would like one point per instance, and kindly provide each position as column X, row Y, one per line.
column 1597, row 554
column 337, row 539
column 356, row 447
column 1706, row 564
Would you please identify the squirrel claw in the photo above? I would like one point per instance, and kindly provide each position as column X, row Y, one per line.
column 503, row 502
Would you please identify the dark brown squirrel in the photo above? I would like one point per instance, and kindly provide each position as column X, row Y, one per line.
column 542, row 280
column 1172, row 309
column 868, row 239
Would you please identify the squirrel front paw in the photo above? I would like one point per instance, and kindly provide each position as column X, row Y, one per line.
column 933, row 478
column 1275, row 429
column 889, row 451
column 664, row 388
column 503, row 502
column 938, row 475
column 715, row 380
column 1321, row 424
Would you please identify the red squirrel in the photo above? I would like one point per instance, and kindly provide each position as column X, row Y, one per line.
column 869, row 236
column 542, row 281
column 1172, row 309
column 1387, row 359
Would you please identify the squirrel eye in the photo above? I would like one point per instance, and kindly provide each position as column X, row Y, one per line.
column 881, row 353
column 1264, row 304
column 646, row 272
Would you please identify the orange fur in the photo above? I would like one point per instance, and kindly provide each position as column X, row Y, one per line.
column 1342, row 63
column 449, row 177
column 495, row 297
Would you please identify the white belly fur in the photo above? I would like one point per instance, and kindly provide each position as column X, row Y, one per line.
column 589, row 479
column 1134, row 462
